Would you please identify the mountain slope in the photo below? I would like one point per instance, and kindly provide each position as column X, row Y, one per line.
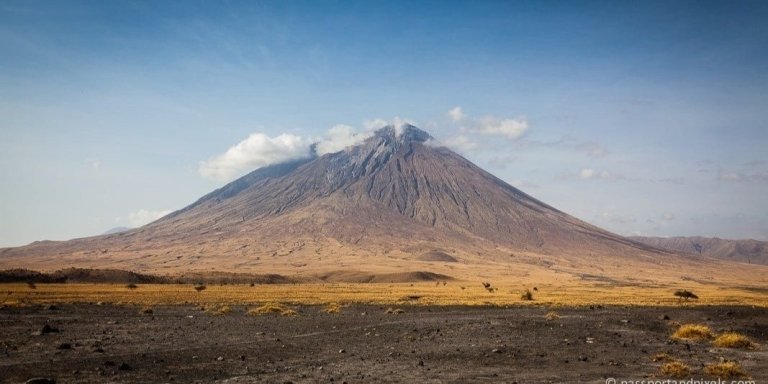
column 746, row 251
column 379, row 207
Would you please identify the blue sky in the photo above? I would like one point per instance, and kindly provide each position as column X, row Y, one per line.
column 641, row 117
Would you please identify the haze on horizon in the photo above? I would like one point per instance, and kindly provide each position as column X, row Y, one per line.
column 642, row 118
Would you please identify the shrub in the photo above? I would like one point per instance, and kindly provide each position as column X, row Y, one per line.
column 726, row 370
column 662, row 356
column 685, row 294
column 332, row 308
column 527, row 295
column 31, row 285
column 200, row 288
column 131, row 286
column 551, row 315
column 220, row 311
column 275, row 308
column 692, row 332
column 146, row 310
column 734, row 340
column 675, row 369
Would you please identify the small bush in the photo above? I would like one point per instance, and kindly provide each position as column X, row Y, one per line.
column 146, row 310
column 200, row 288
column 220, row 311
column 332, row 308
column 685, row 294
column 131, row 286
column 275, row 308
column 31, row 285
column 675, row 369
column 726, row 370
column 527, row 295
column 734, row 340
column 551, row 315
column 693, row 332
column 662, row 356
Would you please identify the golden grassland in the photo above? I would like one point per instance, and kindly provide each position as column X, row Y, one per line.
column 451, row 293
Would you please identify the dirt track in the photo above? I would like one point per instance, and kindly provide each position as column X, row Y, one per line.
column 363, row 344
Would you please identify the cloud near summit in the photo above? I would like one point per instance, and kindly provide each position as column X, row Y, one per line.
column 259, row 150
column 256, row 151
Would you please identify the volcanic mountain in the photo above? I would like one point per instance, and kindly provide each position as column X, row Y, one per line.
column 397, row 204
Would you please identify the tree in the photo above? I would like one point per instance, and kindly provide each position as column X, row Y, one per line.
column 685, row 294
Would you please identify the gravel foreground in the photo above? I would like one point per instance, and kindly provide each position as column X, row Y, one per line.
column 365, row 344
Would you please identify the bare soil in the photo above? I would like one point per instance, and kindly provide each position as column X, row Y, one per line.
column 363, row 344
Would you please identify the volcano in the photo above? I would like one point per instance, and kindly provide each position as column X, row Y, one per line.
column 397, row 204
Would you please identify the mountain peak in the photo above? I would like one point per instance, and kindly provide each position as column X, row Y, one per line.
column 404, row 132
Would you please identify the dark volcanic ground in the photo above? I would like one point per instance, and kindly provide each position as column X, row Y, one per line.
column 98, row 344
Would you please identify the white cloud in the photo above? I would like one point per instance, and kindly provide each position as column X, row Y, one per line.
column 258, row 150
column 340, row 137
column 742, row 176
column 456, row 114
column 730, row 176
column 587, row 173
column 511, row 128
column 591, row 174
column 668, row 216
column 143, row 216
column 374, row 124
column 398, row 123
column 460, row 143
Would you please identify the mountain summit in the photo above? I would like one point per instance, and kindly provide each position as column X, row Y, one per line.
column 396, row 202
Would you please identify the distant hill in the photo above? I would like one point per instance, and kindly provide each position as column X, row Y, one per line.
column 116, row 230
column 747, row 251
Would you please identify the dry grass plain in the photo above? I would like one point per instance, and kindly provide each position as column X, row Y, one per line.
column 426, row 293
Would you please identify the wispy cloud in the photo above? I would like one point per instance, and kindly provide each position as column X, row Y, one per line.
column 397, row 122
column 590, row 148
column 461, row 143
column 741, row 176
column 339, row 137
column 510, row 128
column 256, row 151
column 591, row 174
column 470, row 128
column 456, row 114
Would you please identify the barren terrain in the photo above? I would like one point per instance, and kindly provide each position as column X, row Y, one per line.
column 363, row 343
